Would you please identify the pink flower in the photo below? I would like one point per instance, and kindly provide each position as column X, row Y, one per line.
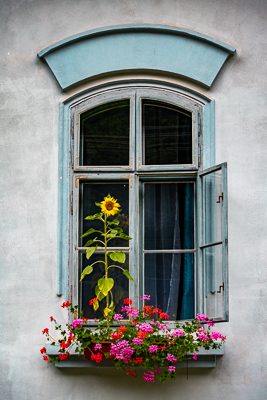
column 157, row 369
column 210, row 323
column 149, row 376
column 171, row 358
column 145, row 328
column 195, row 356
column 178, row 332
column 145, row 297
column 117, row 317
column 153, row 348
column 217, row 335
column 171, row 369
column 77, row 322
column 137, row 341
column 98, row 346
column 201, row 317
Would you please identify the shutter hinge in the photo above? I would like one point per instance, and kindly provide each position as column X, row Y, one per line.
column 219, row 199
column 72, row 127
column 220, row 287
column 71, row 203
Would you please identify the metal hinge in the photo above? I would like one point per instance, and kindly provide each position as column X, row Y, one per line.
column 72, row 126
column 71, row 203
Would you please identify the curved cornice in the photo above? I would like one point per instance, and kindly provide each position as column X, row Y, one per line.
column 136, row 47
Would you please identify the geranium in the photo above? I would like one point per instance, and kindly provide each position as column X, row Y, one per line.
column 128, row 301
column 65, row 304
column 145, row 297
column 148, row 341
column 91, row 302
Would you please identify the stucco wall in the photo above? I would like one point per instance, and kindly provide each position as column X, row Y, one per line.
column 29, row 103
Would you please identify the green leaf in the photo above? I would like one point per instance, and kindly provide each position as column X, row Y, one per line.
column 123, row 236
column 96, row 216
column 86, row 271
column 91, row 230
column 117, row 256
column 99, row 294
column 90, row 251
column 127, row 273
column 95, row 305
column 114, row 222
column 112, row 234
column 119, row 230
column 119, row 293
column 105, row 285
column 87, row 244
column 98, row 204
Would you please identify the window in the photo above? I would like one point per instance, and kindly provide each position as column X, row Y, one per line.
column 144, row 145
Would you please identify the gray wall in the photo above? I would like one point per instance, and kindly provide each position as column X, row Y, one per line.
column 29, row 147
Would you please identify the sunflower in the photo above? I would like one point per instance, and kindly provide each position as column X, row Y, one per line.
column 109, row 206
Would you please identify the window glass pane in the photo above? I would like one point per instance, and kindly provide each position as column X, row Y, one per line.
column 168, row 216
column 95, row 192
column 169, row 279
column 120, row 290
column 105, row 132
column 213, row 265
column 167, row 134
column 212, row 189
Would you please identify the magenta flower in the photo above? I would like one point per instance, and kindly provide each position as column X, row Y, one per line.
column 157, row 369
column 145, row 297
column 153, row 348
column 171, row 369
column 117, row 317
column 137, row 341
column 202, row 317
column 77, row 322
column 178, row 332
column 149, row 376
column 171, row 358
column 217, row 335
column 195, row 356
column 98, row 346
column 145, row 328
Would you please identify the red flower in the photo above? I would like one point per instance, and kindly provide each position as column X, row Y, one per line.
column 156, row 311
column 43, row 350
column 116, row 335
column 51, row 319
column 92, row 300
column 135, row 322
column 164, row 315
column 63, row 357
column 128, row 301
column 64, row 345
column 45, row 358
column 122, row 329
column 147, row 309
column 97, row 357
column 138, row 360
column 85, row 319
column 45, row 331
column 142, row 335
column 65, row 304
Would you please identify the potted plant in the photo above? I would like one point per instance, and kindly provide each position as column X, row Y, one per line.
column 134, row 337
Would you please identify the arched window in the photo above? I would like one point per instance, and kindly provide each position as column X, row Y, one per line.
column 146, row 146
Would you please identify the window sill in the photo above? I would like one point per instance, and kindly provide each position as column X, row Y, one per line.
column 205, row 359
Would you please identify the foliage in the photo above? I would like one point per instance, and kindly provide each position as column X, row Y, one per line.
column 140, row 338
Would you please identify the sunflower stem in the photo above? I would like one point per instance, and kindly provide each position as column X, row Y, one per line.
column 106, row 269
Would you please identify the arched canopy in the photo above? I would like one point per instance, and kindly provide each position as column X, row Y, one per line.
column 136, row 47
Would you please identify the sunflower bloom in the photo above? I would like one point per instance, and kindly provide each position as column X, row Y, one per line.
column 109, row 206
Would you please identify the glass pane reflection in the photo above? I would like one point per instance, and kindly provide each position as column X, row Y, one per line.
column 105, row 132
column 167, row 134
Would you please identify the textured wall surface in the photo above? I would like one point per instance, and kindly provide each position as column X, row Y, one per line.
column 29, row 104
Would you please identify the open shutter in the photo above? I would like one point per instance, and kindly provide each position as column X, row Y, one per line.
column 212, row 271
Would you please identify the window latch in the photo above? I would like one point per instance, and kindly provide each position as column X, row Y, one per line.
column 219, row 199
column 220, row 287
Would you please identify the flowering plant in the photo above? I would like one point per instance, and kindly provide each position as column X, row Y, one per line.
column 140, row 338
column 137, row 337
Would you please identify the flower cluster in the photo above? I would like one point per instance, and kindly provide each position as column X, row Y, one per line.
column 147, row 342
